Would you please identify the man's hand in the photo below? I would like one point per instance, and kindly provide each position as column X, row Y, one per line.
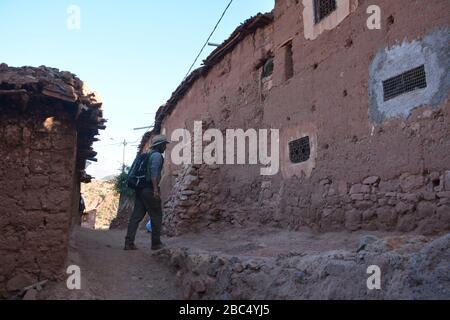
column 156, row 189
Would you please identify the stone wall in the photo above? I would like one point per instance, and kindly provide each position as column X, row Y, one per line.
column 328, row 98
column 414, row 268
column 194, row 202
column 406, row 203
column 37, row 175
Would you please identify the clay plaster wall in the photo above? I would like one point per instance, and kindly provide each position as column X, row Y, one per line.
column 37, row 179
column 392, row 175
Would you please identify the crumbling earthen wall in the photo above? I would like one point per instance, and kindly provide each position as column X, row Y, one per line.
column 48, row 122
column 38, row 152
column 391, row 174
column 229, row 97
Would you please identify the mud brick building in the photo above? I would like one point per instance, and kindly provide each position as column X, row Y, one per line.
column 48, row 123
column 364, row 120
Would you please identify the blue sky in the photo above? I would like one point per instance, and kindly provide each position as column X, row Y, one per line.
column 134, row 53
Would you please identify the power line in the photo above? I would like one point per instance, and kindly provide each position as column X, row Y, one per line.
column 206, row 43
column 117, row 144
column 109, row 145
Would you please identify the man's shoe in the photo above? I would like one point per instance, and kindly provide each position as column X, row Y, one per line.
column 130, row 247
column 158, row 247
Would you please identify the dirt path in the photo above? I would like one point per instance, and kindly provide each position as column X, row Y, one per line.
column 269, row 242
column 108, row 272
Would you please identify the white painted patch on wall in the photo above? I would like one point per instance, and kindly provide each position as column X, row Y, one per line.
column 433, row 53
column 312, row 29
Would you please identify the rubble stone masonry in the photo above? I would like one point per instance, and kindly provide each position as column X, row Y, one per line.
column 391, row 173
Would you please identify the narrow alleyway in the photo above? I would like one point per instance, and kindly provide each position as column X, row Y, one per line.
column 253, row 263
column 303, row 156
column 108, row 272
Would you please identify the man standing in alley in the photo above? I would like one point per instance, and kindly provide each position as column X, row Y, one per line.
column 148, row 198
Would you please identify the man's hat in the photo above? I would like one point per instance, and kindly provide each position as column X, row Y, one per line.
column 158, row 140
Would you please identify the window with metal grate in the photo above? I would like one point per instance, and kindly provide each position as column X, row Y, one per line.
column 300, row 150
column 323, row 8
column 406, row 82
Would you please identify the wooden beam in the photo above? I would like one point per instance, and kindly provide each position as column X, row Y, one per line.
column 13, row 92
column 88, row 153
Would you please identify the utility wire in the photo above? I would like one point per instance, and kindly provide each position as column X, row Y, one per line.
column 110, row 145
column 206, row 43
column 118, row 144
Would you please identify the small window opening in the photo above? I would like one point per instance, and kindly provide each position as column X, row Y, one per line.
column 300, row 150
column 268, row 68
column 288, row 61
column 323, row 8
column 406, row 82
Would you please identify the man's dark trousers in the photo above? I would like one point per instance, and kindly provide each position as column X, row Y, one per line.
column 146, row 202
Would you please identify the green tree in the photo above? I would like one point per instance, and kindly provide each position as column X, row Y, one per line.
column 121, row 186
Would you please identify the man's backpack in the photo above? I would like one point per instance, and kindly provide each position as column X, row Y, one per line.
column 138, row 172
